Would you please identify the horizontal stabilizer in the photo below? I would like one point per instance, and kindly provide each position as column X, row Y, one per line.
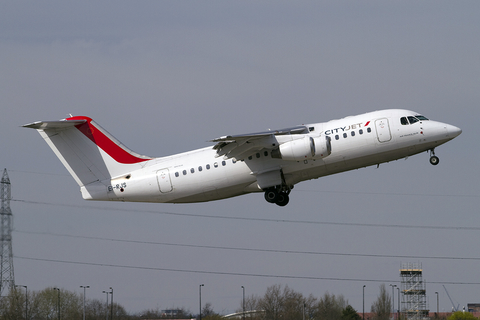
column 44, row 125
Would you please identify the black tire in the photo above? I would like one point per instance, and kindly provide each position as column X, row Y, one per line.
column 271, row 196
column 282, row 199
column 434, row 160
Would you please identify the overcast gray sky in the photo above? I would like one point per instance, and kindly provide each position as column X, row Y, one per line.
column 167, row 76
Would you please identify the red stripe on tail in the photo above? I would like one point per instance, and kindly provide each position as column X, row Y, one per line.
column 105, row 143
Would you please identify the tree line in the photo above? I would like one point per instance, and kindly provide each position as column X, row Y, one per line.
column 52, row 303
column 278, row 303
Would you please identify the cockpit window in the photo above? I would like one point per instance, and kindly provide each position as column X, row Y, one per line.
column 419, row 117
column 412, row 120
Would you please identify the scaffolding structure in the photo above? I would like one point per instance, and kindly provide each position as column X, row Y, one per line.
column 414, row 299
column 7, row 281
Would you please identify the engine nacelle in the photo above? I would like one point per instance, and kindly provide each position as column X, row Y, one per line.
column 304, row 149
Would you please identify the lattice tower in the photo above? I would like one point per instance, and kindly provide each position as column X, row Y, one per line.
column 7, row 281
column 414, row 299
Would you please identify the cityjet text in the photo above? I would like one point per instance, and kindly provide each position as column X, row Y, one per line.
column 346, row 128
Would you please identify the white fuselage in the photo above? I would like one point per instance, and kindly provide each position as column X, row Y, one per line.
column 200, row 175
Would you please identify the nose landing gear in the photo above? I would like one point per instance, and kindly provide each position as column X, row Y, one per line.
column 433, row 158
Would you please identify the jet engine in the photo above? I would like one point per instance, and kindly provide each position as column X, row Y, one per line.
column 304, row 148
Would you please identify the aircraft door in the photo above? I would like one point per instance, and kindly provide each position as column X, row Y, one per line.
column 383, row 130
column 164, row 182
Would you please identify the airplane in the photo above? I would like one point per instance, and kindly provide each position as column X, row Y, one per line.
column 271, row 162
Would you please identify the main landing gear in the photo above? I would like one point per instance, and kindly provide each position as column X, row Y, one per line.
column 278, row 195
column 433, row 158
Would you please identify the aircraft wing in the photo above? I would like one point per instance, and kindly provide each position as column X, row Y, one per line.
column 240, row 146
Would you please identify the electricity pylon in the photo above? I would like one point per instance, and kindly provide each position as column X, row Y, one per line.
column 7, row 281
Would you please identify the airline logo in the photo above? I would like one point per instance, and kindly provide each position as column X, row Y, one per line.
column 104, row 142
column 347, row 128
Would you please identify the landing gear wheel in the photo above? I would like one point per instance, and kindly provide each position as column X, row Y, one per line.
column 282, row 199
column 271, row 195
column 279, row 197
column 434, row 160
column 278, row 194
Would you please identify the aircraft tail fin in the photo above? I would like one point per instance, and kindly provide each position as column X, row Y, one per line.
column 89, row 153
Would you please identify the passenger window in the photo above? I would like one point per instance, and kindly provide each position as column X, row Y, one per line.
column 344, row 135
column 412, row 120
column 258, row 155
column 234, row 161
column 176, row 174
column 360, row 131
column 250, row 158
column 337, row 137
column 200, row 168
column 369, row 129
column 215, row 164
column 207, row 166
column 184, row 172
column 192, row 170
column 223, row 163
column 265, row 153
column 404, row 121
column 353, row 133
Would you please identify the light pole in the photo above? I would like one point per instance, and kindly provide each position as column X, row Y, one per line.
column 393, row 300
column 364, row 302
column 111, row 304
column 200, row 298
column 437, row 302
column 106, row 306
column 84, row 292
column 243, row 302
column 26, row 301
column 58, row 302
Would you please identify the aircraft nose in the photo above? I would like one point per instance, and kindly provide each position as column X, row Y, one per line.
column 453, row 131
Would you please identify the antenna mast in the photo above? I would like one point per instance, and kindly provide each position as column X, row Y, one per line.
column 7, row 281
